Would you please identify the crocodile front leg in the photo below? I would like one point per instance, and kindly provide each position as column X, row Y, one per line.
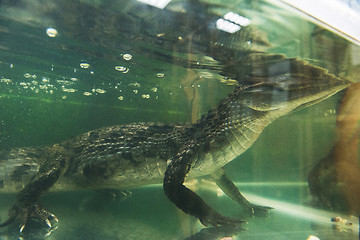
column 184, row 198
column 27, row 205
column 229, row 188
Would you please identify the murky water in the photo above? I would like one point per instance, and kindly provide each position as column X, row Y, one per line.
column 70, row 67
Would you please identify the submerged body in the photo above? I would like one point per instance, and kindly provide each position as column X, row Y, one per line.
column 146, row 153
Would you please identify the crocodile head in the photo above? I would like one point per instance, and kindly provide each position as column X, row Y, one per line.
column 280, row 85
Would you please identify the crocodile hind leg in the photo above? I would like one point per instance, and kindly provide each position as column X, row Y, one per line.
column 184, row 198
column 229, row 188
column 27, row 204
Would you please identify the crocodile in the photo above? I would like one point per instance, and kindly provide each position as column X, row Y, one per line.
column 131, row 155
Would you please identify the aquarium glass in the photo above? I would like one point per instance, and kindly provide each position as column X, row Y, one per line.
column 70, row 67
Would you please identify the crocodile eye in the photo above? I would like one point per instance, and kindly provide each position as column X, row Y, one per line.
column 93, row 135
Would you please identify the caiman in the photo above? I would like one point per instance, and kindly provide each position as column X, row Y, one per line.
column 138, row 154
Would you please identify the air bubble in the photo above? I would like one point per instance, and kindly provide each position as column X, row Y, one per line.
column 84, row 65
column 127, row 56
column 160, row 75
column 51, row 32
column 120, row 68
column 6, row 80
column 135, row 84
column 69, row 90
column 99, row 90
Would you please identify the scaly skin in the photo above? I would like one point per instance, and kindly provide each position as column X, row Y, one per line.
column 144, row 153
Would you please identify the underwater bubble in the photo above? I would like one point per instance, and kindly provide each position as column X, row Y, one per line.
column 69, row 90
column 51, row 32
column 160, row 75
column 65, row 82
column 74, row 79
column 63, row 97
column 43, row 87
column 135, row 91
column 120, row 68
column 34, row 76
column 5, row 80
column 34, row 82
column 87, row 93
column 99, row 90
column 44, row 80
column 311, row 237
column 135, row 84
column 121, row 98
column 229, row 82
column 127, row 56
column 154, row 89
column 145, row 96
column 84, row 65
column 205, row 75
column 51, row 91
column 27, row 75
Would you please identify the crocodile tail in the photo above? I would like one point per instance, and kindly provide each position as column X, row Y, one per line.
column 7, row 222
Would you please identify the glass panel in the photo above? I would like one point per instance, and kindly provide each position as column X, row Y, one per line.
column 100, row 101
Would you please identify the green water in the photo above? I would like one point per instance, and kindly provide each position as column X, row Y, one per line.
column 116, row 62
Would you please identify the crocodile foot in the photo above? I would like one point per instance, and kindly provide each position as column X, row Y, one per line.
column 215, row 219
column 22, row 213
column 259, row 211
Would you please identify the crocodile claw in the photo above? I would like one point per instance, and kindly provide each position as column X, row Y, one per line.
column 22, row 213
column 261, row 211
column 22, row 228
column 215, row 219
column 48, row 223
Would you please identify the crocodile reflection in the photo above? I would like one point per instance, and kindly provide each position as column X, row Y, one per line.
column 335, row 180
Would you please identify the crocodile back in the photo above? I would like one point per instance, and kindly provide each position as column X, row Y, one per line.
column 124, row 155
